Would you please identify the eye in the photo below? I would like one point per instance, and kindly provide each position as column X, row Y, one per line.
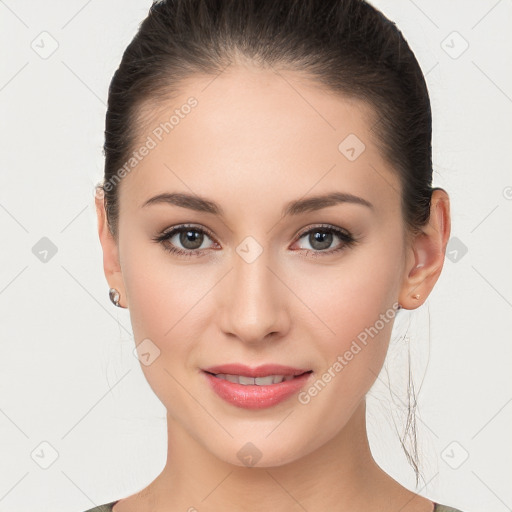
column 191, row 238
column 321, row 238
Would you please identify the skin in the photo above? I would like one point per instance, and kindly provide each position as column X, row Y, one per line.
column 253, row 144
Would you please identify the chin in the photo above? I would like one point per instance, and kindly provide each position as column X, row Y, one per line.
column 262, row 451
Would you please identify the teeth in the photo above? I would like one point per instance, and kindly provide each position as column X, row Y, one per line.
column 259, row 381
column 245, row 380
column 265, row 381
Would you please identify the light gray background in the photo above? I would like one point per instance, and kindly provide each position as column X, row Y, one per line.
column 68, row 377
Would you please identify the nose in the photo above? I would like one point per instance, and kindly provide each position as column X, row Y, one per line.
column 254, row 306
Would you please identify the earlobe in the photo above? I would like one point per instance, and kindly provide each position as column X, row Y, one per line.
column 427, row 253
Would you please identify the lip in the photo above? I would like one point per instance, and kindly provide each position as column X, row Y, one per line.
column 255, row 396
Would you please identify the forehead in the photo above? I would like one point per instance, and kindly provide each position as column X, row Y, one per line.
column 273, row 133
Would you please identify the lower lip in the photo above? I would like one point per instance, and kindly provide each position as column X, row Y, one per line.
column 252, row 396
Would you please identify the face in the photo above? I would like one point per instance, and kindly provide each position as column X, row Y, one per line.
column 312, row 289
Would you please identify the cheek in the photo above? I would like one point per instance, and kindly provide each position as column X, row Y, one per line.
column 169, row 304
column 161, row 292
column 351, row 295
column 164, row 302
column 149, row 306
column 353, row 311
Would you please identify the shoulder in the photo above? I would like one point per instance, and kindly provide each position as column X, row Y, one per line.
column 107, row 507
column 445, row 508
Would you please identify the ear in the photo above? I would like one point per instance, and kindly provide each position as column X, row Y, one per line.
column 111, row 263
column 426, row 253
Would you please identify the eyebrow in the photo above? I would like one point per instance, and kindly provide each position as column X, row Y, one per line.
column 296, row 207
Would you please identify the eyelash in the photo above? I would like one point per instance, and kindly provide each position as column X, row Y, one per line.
column 347, row 239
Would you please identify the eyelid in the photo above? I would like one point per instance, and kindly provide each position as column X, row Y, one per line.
column 324, row 226
column 183, row 227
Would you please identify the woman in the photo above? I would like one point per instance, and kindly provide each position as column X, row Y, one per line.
column 266, row 210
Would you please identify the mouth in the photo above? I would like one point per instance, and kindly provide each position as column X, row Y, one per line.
column 256, row 388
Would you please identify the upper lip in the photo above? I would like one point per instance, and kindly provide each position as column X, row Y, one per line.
column 260, row 371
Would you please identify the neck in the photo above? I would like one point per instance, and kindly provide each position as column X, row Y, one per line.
column 341, row 475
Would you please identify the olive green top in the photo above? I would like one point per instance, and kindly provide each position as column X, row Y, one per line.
column 108, row 508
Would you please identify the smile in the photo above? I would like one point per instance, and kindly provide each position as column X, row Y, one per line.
column 256, row 392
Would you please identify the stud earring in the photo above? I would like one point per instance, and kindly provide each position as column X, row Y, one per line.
column 114, row 297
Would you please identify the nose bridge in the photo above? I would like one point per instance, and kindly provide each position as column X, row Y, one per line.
column 253, row 308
